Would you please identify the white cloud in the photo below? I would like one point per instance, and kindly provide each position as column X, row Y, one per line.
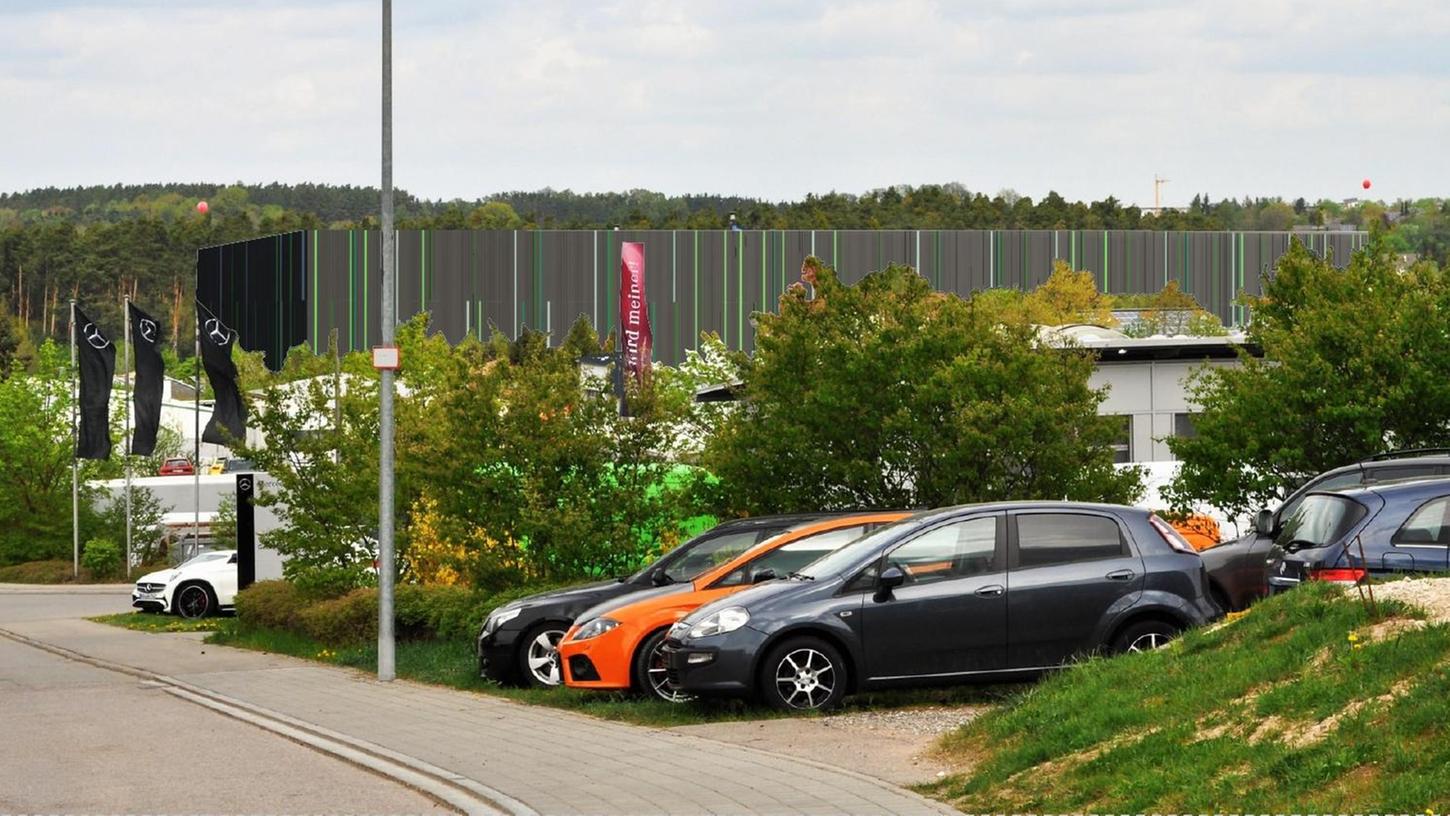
column 1259, row 97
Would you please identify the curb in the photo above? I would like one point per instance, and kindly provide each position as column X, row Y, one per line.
column 65, row 589
column 451, row 789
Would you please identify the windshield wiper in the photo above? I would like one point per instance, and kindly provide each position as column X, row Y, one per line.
column 800, row 576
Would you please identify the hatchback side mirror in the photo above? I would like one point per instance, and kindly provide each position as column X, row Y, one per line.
column 659, row 578
column 890, row 578
column 1264, row 523
column 762, row 576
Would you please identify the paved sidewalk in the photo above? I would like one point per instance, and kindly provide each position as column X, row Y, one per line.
column 551, row 761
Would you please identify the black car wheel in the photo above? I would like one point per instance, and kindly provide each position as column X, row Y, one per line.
column 651, row 673
column 1145, row 636
column 539, row 656
column 803, row 674
column 194, row 601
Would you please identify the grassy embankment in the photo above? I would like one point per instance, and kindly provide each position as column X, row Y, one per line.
column 1306, row 704
column 56, row 571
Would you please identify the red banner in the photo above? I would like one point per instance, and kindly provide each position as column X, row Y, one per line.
column 636, row 338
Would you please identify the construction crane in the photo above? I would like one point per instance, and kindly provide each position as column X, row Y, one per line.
column 1157, row 186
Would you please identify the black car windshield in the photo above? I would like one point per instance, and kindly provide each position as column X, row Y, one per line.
column 1319, row 521
column 850, row 556
column 697, row 555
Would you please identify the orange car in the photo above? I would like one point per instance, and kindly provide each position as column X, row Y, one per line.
column 619, row 647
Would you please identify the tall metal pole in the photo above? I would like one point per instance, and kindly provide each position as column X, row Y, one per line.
column 75, row 472
column 126, row 454
column 385, row 407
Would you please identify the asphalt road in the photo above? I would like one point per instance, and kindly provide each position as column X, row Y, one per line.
column 81, row 739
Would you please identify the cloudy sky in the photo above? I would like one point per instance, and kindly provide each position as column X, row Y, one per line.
column 775, row 98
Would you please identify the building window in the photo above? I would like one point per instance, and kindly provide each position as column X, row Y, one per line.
column 1183, row 426
column 1123, row 443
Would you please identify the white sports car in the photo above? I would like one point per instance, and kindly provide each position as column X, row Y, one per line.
column 198, row 587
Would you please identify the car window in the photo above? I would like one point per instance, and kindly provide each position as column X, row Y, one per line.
column 1065, row 538
column 793, row 556
column 1428, row 525
column 205, row 557
column 1319, row 520
column 1338, row 482
column 710, row 554
column 950, row 551
column 1390, row 474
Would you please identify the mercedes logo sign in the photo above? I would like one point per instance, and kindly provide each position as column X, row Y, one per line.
column 148, row 329
column 218, row 333
column 94, row 337
column 245, row 484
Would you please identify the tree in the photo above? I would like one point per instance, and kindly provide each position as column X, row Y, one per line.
column 1356, row 362
column 888, row 394
column 1068, row 296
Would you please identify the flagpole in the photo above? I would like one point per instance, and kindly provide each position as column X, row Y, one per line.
column 196, row 450
column 75, row 473
column 126, row 454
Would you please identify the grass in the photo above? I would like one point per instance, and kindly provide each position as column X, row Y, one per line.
column 1291, row 708
column 451, row 663
column 152, row 622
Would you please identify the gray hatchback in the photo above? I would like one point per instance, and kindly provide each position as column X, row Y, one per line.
column 952, row 595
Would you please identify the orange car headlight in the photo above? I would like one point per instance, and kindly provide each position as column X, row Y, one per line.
column 595, row 628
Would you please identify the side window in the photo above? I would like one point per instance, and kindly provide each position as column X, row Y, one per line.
column 793, row 556
column 950, row 551
column 1339, row 482
column 1428, row 525
column 711, row 553
column 1390, row 474
column 1065, row 538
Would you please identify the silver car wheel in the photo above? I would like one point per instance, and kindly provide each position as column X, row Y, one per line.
column 543, row 658
column 805, row 679
column 659, row 681
column 1148, row 642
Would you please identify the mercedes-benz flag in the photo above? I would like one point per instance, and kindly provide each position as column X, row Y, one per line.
column 150, row 380
column 96, row 361
column 228, row 423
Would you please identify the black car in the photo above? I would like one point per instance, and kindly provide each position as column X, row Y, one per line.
column 952, row 595
column 518, row 641
column 1236, row 569
column 1347, row 535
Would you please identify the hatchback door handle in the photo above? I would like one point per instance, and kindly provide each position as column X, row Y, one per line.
column 991, row 591
column 1121, row 575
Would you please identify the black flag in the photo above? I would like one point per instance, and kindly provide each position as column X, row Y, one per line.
column 150, row 380
column 228, row 424
column 96, row 358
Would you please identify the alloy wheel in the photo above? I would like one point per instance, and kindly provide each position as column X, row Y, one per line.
column 543, row 657
column 193, row 602
column 657, row 671
column 1148, row 641
column 805, row 678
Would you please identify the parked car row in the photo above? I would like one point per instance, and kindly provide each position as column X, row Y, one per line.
column 805, row 610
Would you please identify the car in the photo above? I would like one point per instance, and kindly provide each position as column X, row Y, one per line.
column 177, row 466
column 1236, row 569
column 237, row 466
column 518, row 643
column 203, row 585
column 1347, row 536
column 618, row 645
column 965, row 593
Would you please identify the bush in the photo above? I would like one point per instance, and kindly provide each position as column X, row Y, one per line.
column 270, row 605
column 352, row 618
column 102, row 557
column 53, row 571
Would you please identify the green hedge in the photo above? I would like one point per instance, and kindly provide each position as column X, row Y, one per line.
column 421, row 612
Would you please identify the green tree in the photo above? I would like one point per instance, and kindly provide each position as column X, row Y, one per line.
column 1355, row 362
column 888, row 394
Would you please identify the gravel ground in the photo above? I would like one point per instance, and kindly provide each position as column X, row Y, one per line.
column 921, row 722
column 1430, row 594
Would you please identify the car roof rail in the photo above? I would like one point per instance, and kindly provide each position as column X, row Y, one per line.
column 1407, row 453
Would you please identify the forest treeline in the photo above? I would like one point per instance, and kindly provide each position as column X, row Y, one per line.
column 98, row 243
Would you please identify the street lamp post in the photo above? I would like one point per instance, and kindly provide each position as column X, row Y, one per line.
column 386, row 566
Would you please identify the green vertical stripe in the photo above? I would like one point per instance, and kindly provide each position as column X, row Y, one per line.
column 1105, row 260
column 695, row 291
column 763, row 235
column 740, row 288
column 365, row 320
column 724, row 286
column 315, row 345
column 351, row 270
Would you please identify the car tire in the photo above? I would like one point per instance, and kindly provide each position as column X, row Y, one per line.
column 648, row 671
column 803, row 674
column 194, row 600
column 1145, row 636
column 538, row 661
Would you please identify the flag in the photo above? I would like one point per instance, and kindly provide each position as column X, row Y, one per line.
column 228, row 423
column 150, row 380
column 634, row 325
column 96, row 360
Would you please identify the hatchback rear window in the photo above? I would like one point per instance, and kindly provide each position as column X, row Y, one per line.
column 1319, row 521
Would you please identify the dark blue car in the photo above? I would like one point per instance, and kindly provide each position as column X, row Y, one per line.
column 1347, row 535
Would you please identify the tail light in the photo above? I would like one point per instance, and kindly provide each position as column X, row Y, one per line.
column 1338, row 575
column 1171, row 536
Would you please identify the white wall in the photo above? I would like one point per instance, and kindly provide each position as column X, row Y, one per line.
column 1151, row 392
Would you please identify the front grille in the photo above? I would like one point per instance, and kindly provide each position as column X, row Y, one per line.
column 150, row 587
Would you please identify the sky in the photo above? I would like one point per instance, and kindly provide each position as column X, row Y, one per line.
column 773, row 99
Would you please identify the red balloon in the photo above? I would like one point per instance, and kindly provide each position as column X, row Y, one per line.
column 1364, row 184
column 202, row 208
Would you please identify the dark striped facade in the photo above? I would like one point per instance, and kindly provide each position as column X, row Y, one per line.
column 285, row 290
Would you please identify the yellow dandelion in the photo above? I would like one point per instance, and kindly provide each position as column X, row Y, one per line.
column 1353, row 638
